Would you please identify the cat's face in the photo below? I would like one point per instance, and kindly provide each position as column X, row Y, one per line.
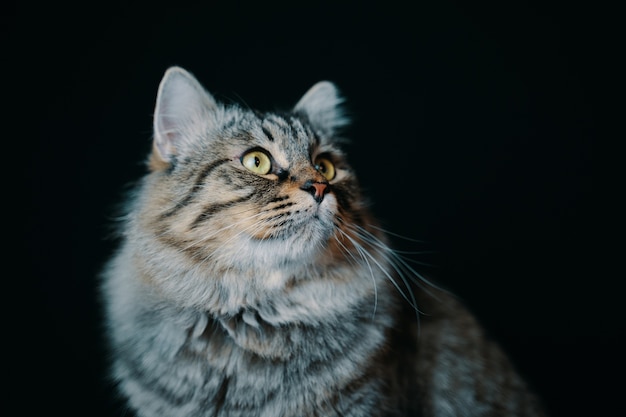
column 249, row 190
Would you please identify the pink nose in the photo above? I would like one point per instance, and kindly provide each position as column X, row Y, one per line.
column 320, row 189
column 317, row 189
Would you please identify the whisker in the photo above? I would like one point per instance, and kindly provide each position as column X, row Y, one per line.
column 387, row 232
column 412, row 300
column 415, row 276
column 359, row 249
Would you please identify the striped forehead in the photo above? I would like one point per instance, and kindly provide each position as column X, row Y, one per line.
column 289, row 134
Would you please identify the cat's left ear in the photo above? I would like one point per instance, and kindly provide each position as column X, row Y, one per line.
column 322, row 106
column 182, row 106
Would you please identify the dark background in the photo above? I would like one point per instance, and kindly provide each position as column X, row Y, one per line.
column 472, row 132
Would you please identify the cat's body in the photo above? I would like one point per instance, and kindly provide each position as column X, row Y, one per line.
column 252, row 281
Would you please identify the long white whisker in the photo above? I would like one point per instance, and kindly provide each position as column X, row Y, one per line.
column 372, row 239
column 380, row 229
column 412, row 300
column 360, row 251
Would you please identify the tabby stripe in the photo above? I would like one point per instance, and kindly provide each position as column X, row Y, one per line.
column 282, row 206
column 280, row 198
column 308, row 131
column 199, row 180
column 153, row 384
column 313, row 133
column 267, row 133
column 211, row 209
column 221, row 396
column 296, row 127
column 208, row 169
column 281, row 224
column 232, row 122
column 292, row 129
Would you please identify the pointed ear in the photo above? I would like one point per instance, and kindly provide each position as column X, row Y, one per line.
column 322, row 106
column 180, row 105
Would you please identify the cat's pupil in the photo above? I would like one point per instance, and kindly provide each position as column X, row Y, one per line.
column 257, row 161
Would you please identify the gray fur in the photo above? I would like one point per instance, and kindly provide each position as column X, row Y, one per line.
column 236, row 293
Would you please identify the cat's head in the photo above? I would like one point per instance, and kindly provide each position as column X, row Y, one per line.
column 232, row 189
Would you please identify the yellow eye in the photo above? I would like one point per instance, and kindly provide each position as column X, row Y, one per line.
column 257, row 162
column 325, row 167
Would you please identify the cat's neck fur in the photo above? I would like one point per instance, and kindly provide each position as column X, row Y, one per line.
column 259, row 349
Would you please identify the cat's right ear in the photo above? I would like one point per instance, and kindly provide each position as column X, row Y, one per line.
column 322, row 106
column 180, row 105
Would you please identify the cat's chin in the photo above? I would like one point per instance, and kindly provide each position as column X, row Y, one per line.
column 300, row 241
column 301, row 245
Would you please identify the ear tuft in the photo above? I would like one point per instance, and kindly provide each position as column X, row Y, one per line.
column 180, row 105
column 322, row 106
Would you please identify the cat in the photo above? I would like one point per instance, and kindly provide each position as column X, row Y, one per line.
column 252, row 280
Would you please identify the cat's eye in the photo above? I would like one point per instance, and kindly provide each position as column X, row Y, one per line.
column 257, row 161
column 325, row 167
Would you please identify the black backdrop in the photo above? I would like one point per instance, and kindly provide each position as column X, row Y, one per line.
column 472, row 133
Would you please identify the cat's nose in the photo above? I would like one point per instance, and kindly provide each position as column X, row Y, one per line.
column 316, row 188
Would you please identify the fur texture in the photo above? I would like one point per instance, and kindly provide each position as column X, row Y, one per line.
column 251, row 280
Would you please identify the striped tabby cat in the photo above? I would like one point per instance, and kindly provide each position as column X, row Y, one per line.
column 253, row 281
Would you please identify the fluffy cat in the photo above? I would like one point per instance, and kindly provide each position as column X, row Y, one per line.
column 251, row 280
